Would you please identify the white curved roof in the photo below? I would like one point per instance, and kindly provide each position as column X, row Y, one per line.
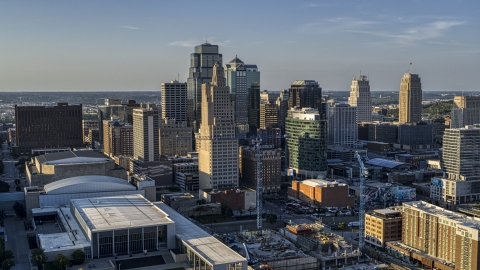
column 88, row 183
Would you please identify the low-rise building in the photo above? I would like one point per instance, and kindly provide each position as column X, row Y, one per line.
column 271, row 167
column 383, row 225
column 240, row 198
column 325, row 193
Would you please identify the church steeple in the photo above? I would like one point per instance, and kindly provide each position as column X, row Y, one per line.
column 218, row 78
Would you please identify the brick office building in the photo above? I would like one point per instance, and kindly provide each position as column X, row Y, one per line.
column 331, row 194
column 47, row 127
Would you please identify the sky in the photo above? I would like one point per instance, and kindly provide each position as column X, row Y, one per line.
column 136, row 45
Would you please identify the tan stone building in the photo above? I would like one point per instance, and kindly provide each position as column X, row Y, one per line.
column 325, row 193
column 175, row 137
column 383, row 225
column 437, row 238
column 217, row 145
column 410, row 99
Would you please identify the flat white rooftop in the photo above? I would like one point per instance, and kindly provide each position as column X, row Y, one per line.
column 127, row 211
column 320, row 182
column 202, row 243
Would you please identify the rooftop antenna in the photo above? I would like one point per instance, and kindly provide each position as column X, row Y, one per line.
column 206, row 39
column 410, row 70
column 178, row 76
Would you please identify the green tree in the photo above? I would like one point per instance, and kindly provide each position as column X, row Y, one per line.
column 272, row 218
column 19, row 209
column 4, row 187
column 78, row 256
column 38, row 257
column 61, row 262
column 9, row 254
column 8, row 264
column 342, row 225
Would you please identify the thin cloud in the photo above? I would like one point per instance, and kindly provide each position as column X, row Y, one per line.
column 337, row 24
column 129, row 27
column 194, row 42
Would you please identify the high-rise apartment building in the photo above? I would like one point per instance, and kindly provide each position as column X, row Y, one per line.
column 461, row 159
column 240, row 77
column 200, row 72
column 217, row 143
column 254, row 107
column 47, row 127
column 305, row 94
column 175, row 137
column 174, row 101
column 436, row 238
column 145, row 134
column 381, row 226
column 271, row 167
column 342, row 124
column 306, row 142
column 466, row 111
column 360, row 98
column 410, row 99
column 268, row 115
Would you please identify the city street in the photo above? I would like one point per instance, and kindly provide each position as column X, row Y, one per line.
column 16, row 241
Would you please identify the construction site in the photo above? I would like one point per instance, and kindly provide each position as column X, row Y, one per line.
column 297, row 247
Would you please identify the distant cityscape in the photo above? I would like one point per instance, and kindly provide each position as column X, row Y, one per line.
column 218, row 173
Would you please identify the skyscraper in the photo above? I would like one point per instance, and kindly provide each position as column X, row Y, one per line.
column 175, row 137
column 342, row 124
column 307, row 142
column 240, row 77
column 200, row 72
column 268, row 115
column 305, row 94
column 174, row 101
column 145, row 134
column 466, row 111
column 217, row 144
column 360, row 98
column 410, row 99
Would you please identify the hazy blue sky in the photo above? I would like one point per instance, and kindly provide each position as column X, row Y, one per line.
column 137, row 45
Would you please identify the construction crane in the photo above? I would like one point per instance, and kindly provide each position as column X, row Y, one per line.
column 361, row 230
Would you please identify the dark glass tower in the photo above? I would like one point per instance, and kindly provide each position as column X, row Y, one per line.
column 200, row 72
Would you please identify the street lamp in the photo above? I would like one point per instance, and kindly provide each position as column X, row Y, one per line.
column 119, row 266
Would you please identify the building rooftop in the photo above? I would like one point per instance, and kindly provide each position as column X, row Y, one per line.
column 381, row 162
column 202, row 243
column 115, row 212
column 319, row 182
column 86, row 184
column 72, row 157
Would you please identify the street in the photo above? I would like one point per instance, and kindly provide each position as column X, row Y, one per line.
column 16, row 241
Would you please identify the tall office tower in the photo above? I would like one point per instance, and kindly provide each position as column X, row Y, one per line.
column 126, row 140
column 240, row 77
column 145, row 134
column 410, row 99
column 131, row 105
column 466, row 111
column 268, row 115
column 113, row 108
column 269, row 96
column 200, row 72
column 307, row 142
column 254, row 107
column 305, row 94
column 175, row 137
column 174, row 101
column 47, row 127
column 217, row 144
column 342, row 124
column 437, row 238
column 271, row 136
column 271, row 167
column 282, row 104
column 360, row 98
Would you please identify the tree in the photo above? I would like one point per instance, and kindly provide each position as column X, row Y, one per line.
column 78, row 256
column 61, row 261
column 38, row 257
column 4, row 187
column 272, row 218
column 17, row 182
column 20, row 210
column 341, row 225
column 8, row 264
column 9, row 254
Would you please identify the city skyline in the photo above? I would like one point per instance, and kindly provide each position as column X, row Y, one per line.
column 120, row 46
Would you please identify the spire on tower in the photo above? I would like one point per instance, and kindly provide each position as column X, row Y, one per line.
column 218, row 79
